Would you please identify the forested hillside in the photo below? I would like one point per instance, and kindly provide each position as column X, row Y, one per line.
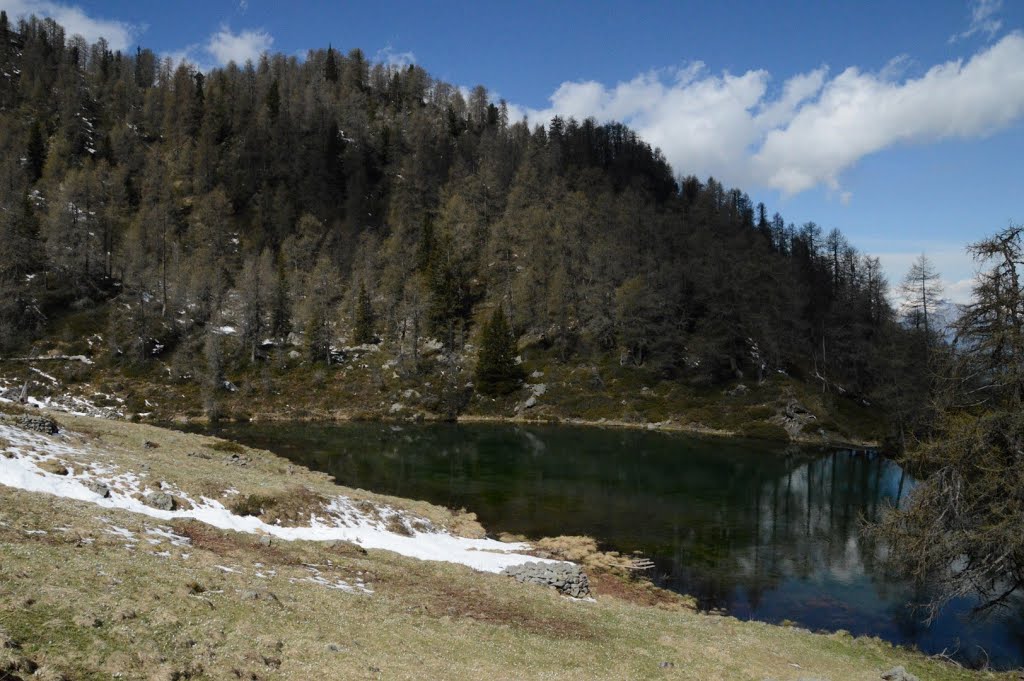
column 259, row 219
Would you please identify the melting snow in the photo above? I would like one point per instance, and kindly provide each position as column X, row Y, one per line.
column 344, row 521
column 166, row 533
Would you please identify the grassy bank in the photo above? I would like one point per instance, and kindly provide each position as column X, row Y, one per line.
column 88, row 592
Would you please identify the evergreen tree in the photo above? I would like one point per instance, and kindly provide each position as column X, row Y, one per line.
column 331, row 73
column 363, row 331
column 35, row 153
column 497, row 371
column 273, row 101
column 280, row 306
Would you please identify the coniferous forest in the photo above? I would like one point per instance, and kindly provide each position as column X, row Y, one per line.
column 328, row 202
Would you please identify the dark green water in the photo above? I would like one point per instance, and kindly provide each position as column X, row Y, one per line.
column 763, row 531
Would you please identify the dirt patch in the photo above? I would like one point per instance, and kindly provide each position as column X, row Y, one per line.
column 638, row 592
column 439, row 598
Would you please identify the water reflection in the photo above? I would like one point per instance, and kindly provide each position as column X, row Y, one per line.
column 762, row 531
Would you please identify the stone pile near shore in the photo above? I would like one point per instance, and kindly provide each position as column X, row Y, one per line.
column 569, row 579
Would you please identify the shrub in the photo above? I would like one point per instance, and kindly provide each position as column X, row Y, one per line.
column 762, row 430
column 252, row 504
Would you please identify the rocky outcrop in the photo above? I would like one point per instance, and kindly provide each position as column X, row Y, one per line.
column 795, row 418
column 568, row 578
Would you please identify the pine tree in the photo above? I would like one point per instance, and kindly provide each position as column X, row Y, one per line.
column 35, row 153
column 331, row 66
column 280, row 306
column 497, row 372
column 273, row 101
column 363, row 333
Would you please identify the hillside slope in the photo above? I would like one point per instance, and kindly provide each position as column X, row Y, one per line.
column 264, row 225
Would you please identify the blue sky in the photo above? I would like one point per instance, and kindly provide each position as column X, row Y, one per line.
column 900, row 123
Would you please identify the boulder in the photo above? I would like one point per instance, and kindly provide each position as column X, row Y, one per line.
column 160, row 500
column 898, row 674
column 738, row 391
column 97, row 487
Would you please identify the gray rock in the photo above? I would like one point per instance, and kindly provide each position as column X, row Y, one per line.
column 97, row 487
column 738, row 391
column 899, row 674
column 265, row 540
column 530, row 403
column 160, row 500
column 254, row 595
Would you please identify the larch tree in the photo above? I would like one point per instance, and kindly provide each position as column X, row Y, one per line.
column 922, row 288
column 960, row 530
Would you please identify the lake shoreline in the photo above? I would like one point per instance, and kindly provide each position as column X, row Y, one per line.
column 858, row 657
column 661, row 427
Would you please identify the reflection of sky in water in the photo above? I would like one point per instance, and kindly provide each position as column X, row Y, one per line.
column 845, row 587
column 763, row 531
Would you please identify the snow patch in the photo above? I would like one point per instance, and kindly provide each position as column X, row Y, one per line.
column 343, row 520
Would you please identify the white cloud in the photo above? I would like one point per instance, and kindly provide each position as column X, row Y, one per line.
column 120, row 35
column 225, row 46
column 984, row 20
column 860, row 113
column 814, row 127
column 390, row 57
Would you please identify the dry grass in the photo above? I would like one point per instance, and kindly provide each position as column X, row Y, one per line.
column 78, row 602
column 583, row 550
